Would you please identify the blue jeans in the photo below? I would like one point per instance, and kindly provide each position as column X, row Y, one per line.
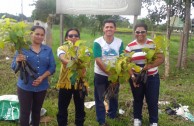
column 151, row 92
column 101, row 84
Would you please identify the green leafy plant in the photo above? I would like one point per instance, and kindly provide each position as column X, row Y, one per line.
column 17, row 34
column 150, row 54
column 80, row 61
column 119, row 73
column 160, row 47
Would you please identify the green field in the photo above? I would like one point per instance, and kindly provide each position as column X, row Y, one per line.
column 177, row 88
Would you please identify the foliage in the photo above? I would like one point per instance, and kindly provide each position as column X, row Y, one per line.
column 97, row 22
column 124, row 30
column 156, row 10
column 159, row 12
column 43, row 8
column 15, row 33
column 119, row 71
column 92, row 22
column 80, row 58
column 161, row 45
column 19, row 17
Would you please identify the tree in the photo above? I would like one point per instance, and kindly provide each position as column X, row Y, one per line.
column 182, row 58
column 179, row 8
column 20, row 17
column 43, row 8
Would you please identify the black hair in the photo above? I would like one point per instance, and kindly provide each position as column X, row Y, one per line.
column 141, row 25
column 33, row 28
column 72, row 29
column 109, row 21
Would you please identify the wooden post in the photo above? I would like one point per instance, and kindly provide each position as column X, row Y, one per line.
column 134, row 23
column 61, row 29
column 48, row 27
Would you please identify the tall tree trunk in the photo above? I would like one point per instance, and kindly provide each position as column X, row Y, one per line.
column 186, row 33
column 167, row 62
column 178, row 65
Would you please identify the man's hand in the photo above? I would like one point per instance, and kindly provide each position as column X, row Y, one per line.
column 134, row 81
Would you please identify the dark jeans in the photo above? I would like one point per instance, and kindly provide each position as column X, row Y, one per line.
column 151, row 92
column 101, row 84
column 63, row 103
column 30, row 102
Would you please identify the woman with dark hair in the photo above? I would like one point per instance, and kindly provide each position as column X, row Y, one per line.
column 68, row 86
column 31, row 93
column 150, row 88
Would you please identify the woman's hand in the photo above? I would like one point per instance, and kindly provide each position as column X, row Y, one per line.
column 20, row 58
column 38, row 81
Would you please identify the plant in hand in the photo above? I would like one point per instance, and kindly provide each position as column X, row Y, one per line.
column 16, row 34
column 119, row 72
column 80, row 60
column 150, row 54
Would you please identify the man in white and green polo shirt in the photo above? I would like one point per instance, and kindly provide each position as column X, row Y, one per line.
column 106, row 48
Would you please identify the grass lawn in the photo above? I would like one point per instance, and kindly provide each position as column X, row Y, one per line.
column 177, row 88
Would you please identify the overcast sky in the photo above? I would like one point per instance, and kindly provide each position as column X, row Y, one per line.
column 15, row 7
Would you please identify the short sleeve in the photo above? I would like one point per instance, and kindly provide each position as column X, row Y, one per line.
column 97, row 50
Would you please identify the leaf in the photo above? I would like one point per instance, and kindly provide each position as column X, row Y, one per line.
column 77, row 43
column 137, row 68
column 19, row 33
column 150, row 54
column 108, row 67
column 13, row 36
column 72, row 52
column 85, row 58
column 70, row 63
column 118, row 67
column 113, row 78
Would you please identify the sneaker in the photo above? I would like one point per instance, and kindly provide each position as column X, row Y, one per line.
column 154, row 124
column 137, row 122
